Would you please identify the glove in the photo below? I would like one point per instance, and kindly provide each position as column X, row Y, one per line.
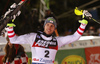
column 11, row 24
column 83, row 21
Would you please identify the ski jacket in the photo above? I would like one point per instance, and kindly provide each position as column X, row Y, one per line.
column 44, row 48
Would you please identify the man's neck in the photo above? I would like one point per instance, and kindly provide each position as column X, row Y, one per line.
column 46, row 34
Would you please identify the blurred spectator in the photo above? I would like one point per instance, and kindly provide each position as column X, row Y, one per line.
column 14, row 54
column 98, row 32
column 3, row 33
column 86, row 33
column 49, row 14
column 69, row 32
column 90, row 32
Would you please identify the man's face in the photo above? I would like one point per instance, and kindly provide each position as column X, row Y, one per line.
column 49, row 28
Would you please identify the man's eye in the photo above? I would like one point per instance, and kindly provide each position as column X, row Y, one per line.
column 52, row 25
column 47, row 24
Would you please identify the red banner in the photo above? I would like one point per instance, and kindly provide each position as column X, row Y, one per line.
column 93, row 55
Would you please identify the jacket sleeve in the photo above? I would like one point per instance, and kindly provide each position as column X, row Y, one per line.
column 71, row 38
column 22, row 39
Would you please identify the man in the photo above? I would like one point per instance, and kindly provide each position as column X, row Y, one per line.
column 43, row 44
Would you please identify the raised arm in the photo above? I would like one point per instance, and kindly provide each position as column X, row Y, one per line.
column 71, row 38
column 11, row 34
column 27, row 38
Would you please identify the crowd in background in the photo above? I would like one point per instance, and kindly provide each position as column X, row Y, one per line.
column 91, row 31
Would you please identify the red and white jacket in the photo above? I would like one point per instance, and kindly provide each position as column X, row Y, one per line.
column 22, row 60
column 43, row 50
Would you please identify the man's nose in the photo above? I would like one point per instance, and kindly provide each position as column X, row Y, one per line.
column 49, row 27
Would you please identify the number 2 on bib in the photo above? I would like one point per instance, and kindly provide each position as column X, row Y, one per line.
column 47, row 53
